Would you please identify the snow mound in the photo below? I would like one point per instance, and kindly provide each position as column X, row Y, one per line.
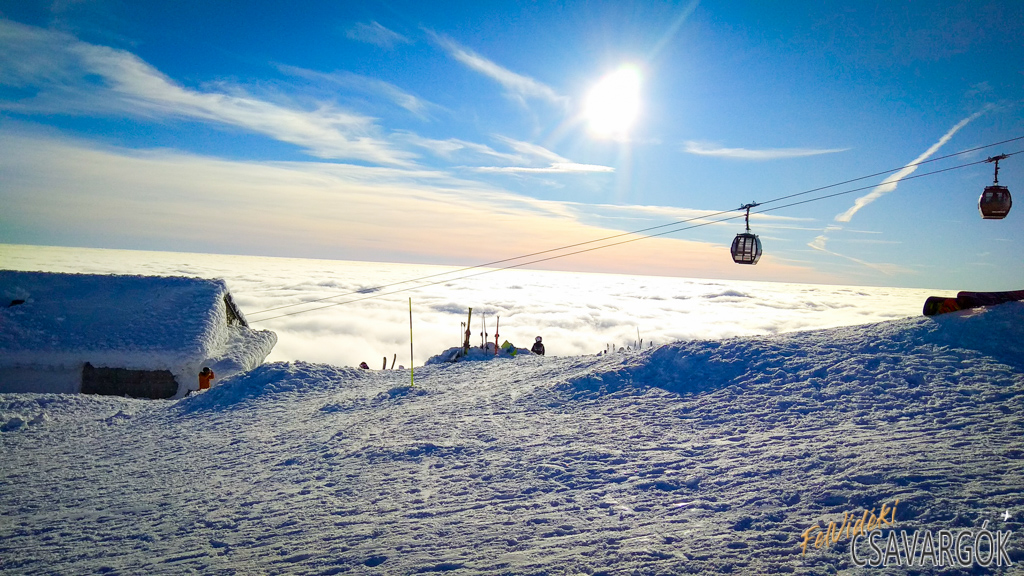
column 476, row 354
column 244, row 350
column 872, row 353
column 276, row 380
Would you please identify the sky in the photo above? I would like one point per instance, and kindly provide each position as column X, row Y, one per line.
column 466, row 133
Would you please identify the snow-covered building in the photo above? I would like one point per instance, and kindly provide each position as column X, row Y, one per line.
column 141, row 336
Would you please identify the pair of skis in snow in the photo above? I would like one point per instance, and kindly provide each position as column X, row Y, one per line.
column 483, row 333
column 485, row 336
column 936, row 305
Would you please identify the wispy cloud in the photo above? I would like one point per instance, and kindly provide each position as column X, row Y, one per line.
column 530, row 149
column 557, row 167
column 701, row 149
column 74, row 77
column 366, row 85
column 556, row 163
column 375, row 33
column 526, row 158
column 821, row 240
column 19, row 65
column 516, row 85
column 890, row 183
column 455, row 147
column 883, row 267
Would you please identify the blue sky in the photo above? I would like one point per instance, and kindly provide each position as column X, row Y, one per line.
column 460, row 133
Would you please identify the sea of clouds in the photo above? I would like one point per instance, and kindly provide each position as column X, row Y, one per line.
column 576, row 313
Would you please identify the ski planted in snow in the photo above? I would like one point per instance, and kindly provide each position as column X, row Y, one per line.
column 465, row 343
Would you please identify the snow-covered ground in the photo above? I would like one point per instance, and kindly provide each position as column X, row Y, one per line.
column 704, row 456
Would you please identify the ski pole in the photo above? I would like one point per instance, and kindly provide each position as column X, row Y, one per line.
column 412, row 378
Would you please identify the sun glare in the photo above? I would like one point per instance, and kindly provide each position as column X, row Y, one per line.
column 613, row 104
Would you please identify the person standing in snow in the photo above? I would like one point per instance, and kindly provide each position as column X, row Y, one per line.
column 537, row 348
column 364, row 365
column 204, row 378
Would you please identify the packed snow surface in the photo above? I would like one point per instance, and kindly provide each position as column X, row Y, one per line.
column 701, row 456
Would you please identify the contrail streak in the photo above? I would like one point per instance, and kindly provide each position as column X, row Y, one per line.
column 889, row 184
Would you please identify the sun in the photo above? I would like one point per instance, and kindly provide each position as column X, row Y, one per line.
column 614, row 103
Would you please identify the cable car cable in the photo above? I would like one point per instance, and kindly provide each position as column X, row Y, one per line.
column 915, row 164
column 712, row 215
column 827, row 196
column 375, row 295
column 676, row 223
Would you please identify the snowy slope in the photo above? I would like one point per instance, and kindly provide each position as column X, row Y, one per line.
column 697, row 457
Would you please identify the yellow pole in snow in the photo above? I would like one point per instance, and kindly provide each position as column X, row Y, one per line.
column 412, row 379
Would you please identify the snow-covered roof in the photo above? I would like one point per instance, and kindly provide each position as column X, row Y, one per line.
column 60, row 321
column 85, row 312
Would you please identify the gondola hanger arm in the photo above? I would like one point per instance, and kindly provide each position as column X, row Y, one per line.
column 996, row 160
column 747, row 207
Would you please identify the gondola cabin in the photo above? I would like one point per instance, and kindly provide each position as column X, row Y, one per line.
column 995, row 202
column 746, row 248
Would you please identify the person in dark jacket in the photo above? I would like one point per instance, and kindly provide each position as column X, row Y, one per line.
column 538, row 347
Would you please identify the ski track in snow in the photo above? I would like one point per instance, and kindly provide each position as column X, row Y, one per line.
column 697, row 457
